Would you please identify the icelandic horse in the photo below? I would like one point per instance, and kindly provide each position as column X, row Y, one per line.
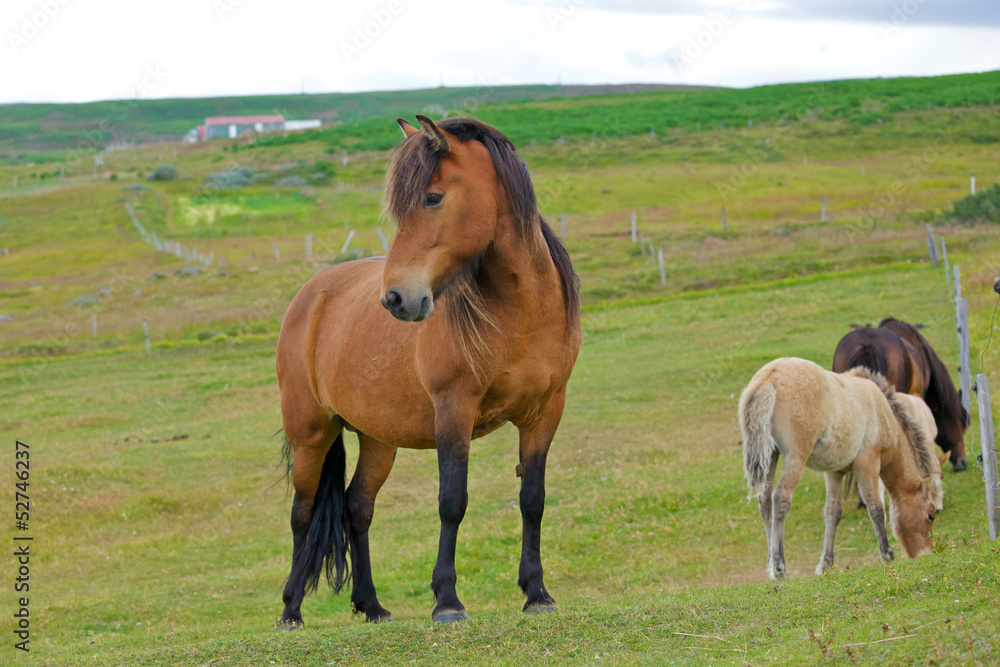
column 479, row 325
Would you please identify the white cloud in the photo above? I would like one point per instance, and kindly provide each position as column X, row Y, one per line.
column 101, row 49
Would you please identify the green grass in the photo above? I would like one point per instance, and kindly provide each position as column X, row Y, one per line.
column 154, row 548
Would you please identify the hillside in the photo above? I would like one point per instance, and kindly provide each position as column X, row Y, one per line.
column 162, row 522
column 27, row 130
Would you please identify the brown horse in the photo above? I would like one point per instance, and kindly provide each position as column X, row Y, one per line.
column 898, row 351
column 479, row 326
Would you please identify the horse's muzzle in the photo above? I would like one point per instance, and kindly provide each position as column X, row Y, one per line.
column 408, row 308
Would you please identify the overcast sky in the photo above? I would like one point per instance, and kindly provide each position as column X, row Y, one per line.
column 82, row 50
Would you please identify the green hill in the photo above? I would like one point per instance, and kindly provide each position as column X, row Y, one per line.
column 28, row 129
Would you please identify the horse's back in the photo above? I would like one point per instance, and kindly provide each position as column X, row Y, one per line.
column 802, row 399
column 877, row 349
column 823, row 417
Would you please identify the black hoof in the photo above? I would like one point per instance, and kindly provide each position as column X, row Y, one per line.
column 541, row 608
column 450, row 616
column 289, row 625
column 385, row 618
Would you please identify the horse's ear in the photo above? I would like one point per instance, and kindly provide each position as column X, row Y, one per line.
column 438, row 141
column 407, row 128
column 942, row 457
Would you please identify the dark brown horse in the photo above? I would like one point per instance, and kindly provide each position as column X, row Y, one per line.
column 898, row 351
column 479, row 325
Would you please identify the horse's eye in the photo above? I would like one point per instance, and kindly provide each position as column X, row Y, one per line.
column 930, row 517
column 433, row 198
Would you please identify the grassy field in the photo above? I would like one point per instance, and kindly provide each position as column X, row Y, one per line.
column 160, row 520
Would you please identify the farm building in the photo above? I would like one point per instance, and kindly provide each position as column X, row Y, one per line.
column 219, row 127
column 230, row 127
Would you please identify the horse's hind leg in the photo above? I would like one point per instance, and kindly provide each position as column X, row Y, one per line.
column 533, row 452
column 309, row 449
column 868, row 487
column 781, row 500
column 374, row 463
column 833, row 512
column 764, row 504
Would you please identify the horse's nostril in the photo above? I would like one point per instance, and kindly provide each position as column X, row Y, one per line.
column 393, row 300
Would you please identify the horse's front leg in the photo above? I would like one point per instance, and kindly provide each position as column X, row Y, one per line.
column 534, row 449
column 834, row 510
column 868, row 488
column 453, row 432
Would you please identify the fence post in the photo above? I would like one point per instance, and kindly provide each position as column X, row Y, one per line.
column 663, row 269
column 95, row 326
column 562, row 223
column 947, row 266
column 931, row 245
column 145, row 333
column 972, row 185
column 277, row 254
column 723, row 218
column 309, row 246
column 633, row 228
column 383, row 239
column 822, row 217
column 962, row 308
column 347, row 242
column 989, row 450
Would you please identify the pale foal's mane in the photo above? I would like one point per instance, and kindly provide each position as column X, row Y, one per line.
column 901, row 411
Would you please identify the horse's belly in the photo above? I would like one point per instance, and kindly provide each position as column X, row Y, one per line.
column 826, row 457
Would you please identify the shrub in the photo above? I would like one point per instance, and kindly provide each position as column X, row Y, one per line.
column 291, row 182
column 165, row 172
column 232, row 178
column 984, row 205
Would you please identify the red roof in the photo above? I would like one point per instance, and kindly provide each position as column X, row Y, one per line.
column 243, row 120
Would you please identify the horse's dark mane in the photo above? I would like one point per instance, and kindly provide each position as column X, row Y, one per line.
column 869, row 356
column 941, row 390
column 414, row 164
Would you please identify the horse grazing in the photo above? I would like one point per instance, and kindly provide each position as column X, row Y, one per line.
column 835, row 423
column 479, row 325
column 897, row 350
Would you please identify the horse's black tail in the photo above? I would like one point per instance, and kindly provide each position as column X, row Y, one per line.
column 871, row 357
column 327, row 545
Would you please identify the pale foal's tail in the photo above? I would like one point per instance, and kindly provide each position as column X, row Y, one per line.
column 756, row 411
